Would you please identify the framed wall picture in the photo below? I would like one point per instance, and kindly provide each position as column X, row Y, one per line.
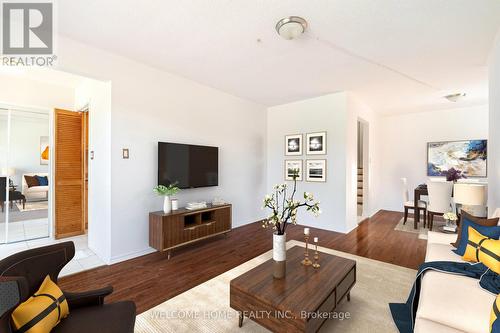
column 468, row 156
column 44, row 150
column 316, row 143
column 293, row 145
column 292, row 166
column 316, row 170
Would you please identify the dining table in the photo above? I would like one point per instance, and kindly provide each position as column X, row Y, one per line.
column 420, row 190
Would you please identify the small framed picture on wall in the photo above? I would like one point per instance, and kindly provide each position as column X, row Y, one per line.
column 316, row 143
column 316, row 170
column 293, row 145
column 44, row 150
column 292, row 167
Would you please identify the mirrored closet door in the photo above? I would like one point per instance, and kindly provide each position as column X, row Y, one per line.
column 24, row 175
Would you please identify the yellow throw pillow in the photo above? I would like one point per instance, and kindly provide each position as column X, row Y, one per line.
column 495, row 314
column 483, row 249
column 42, row 311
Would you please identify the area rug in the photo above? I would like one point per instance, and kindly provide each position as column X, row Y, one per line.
column 421, row 231
column 205, row 308
column 34, row 205
column 19, row 216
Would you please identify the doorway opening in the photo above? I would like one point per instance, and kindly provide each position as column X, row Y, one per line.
column 51, row 139
column 362, row 170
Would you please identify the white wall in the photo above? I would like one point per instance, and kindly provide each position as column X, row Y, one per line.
column 494, row 128
column 326, row 113
column 149, row 105
column 337, row 114
column 20, row 91
column 403, row 146
column 96, row 95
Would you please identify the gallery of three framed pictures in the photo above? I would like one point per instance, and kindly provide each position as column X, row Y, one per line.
column 315, row 145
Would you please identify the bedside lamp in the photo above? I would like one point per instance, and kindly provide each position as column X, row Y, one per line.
column 469, row 195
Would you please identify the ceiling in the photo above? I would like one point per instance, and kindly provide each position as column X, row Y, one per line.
column 397, row 55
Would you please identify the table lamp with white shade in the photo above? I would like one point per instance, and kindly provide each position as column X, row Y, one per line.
column 469, row 195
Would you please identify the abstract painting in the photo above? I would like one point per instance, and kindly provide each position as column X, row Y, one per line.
column 44, row 150
column 468, row 156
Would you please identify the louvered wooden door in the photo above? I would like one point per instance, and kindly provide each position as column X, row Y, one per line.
column 69, row 173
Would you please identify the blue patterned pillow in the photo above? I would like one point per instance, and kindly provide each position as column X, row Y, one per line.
column 42, row 180
column 490, row 232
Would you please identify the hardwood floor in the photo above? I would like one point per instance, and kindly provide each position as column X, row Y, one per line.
column 151, row 279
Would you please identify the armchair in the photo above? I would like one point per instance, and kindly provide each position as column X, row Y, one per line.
column 21, row 275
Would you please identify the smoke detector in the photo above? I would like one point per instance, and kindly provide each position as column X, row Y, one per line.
column 291, row 27
column 455, row 97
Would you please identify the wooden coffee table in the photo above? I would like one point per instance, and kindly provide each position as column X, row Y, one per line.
column 300, row 302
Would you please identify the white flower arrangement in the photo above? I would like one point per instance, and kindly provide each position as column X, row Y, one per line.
column 284, row 210
column 450, row 216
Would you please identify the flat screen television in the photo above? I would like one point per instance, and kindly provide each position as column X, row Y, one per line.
column 189, row 166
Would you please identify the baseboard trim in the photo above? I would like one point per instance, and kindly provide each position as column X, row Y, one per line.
column 349, row 230
column 148, row 250
column 131, row 255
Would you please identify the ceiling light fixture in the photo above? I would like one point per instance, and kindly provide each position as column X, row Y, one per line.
column 291, row 27
column 455, row 97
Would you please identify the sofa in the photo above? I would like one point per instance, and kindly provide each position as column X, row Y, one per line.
column 35, row 193
column 450, row 303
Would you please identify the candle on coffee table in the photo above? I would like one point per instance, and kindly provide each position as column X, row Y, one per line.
column 316, row 254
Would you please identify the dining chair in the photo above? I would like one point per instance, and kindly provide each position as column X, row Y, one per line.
column 439, row 200
column 410, row 204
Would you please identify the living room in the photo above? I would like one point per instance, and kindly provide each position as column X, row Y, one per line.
column 278, row 97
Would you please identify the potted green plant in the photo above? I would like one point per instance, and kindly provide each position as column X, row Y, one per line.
column 166, row 192
column 284, row 211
